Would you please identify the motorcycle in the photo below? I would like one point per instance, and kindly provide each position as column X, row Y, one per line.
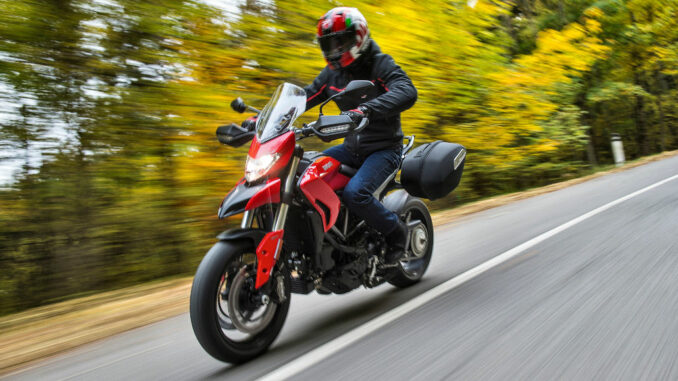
column 296, row 236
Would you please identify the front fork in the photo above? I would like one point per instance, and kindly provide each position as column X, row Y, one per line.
column 269, row 248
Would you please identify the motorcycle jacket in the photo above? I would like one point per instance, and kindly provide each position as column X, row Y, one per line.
column 395, row 94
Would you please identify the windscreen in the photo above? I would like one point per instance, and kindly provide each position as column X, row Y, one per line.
column 286, row 105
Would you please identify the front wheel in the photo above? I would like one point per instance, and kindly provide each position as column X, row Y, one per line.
column 412, row 267
column 232, row 320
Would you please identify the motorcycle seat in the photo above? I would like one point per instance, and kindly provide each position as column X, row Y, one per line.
column 347, row 171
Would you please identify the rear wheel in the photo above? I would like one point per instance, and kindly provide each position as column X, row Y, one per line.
column 232, row 320
column 412, row 267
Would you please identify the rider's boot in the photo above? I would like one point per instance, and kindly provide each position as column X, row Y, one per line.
column 397, row 243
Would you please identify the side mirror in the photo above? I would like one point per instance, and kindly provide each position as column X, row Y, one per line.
column 358, row 86
column 238, row 105
column 355, row 93
column 234, row 135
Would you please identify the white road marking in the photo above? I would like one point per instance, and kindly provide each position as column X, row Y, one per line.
column 331, row 347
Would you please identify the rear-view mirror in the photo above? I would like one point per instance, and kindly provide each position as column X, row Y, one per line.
column 355, row 93
column 238, row 105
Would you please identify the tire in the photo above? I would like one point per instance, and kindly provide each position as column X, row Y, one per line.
column 212, row 327
column 410, row 272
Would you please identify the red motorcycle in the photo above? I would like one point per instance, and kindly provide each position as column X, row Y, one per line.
column 296, row 236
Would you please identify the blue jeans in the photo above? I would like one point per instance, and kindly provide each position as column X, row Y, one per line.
column 373, row 170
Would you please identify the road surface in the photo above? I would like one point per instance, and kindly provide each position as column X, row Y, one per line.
column 594, row 299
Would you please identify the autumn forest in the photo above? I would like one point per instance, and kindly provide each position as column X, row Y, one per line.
column 110, row 173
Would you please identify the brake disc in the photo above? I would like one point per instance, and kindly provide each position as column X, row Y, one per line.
column 247, row 321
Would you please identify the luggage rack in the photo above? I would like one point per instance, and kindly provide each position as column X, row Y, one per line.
column 407, row 147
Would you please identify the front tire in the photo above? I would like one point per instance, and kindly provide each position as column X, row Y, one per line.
column 242, row 328
column 420, row 249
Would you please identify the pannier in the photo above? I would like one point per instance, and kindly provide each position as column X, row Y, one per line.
column 433, row 170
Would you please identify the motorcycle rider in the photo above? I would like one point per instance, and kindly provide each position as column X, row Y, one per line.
column 351, row 54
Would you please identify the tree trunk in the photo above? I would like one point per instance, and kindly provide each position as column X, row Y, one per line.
column 591, row 151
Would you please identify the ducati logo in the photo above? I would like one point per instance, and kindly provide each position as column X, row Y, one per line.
column 327, row 165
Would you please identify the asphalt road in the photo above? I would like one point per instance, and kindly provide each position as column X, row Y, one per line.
column 598, row 300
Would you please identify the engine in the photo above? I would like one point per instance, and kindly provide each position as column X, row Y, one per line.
column 351, row 268
column 344, row 277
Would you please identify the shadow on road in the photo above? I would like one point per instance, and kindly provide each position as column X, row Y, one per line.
column 323, row 327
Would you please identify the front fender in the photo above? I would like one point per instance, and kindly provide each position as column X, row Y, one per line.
column 268, row 253
column 268, row 245
column 254, row 235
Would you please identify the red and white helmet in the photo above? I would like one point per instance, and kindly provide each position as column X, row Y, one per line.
column 343, row 36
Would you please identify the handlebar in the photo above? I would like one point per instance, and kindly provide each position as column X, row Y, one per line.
column 305, row 131
column 310, row 130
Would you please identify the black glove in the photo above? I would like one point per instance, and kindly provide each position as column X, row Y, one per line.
column 250, row 123
column 357, row 114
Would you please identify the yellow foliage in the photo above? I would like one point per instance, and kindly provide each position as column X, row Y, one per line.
column 521, row 96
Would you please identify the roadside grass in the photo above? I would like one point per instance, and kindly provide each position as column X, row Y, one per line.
column 35, row 334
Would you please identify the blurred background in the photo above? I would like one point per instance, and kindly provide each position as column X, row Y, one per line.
column 110, row 173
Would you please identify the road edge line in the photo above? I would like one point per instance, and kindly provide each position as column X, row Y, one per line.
column 335, row 345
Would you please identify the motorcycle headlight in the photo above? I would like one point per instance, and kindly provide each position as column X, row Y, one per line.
column 259, row 167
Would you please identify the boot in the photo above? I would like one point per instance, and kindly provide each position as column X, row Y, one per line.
column 397, row 243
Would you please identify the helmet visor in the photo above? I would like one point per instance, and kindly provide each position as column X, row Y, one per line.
column 334, row 45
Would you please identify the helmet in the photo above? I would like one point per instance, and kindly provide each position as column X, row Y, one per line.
column 343, row 36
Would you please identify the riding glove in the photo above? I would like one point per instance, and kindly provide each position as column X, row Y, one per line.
column 357, row 114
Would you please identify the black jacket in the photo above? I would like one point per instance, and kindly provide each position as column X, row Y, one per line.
column 396, row 93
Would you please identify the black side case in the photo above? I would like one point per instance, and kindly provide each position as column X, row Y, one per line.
column 433, row 170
